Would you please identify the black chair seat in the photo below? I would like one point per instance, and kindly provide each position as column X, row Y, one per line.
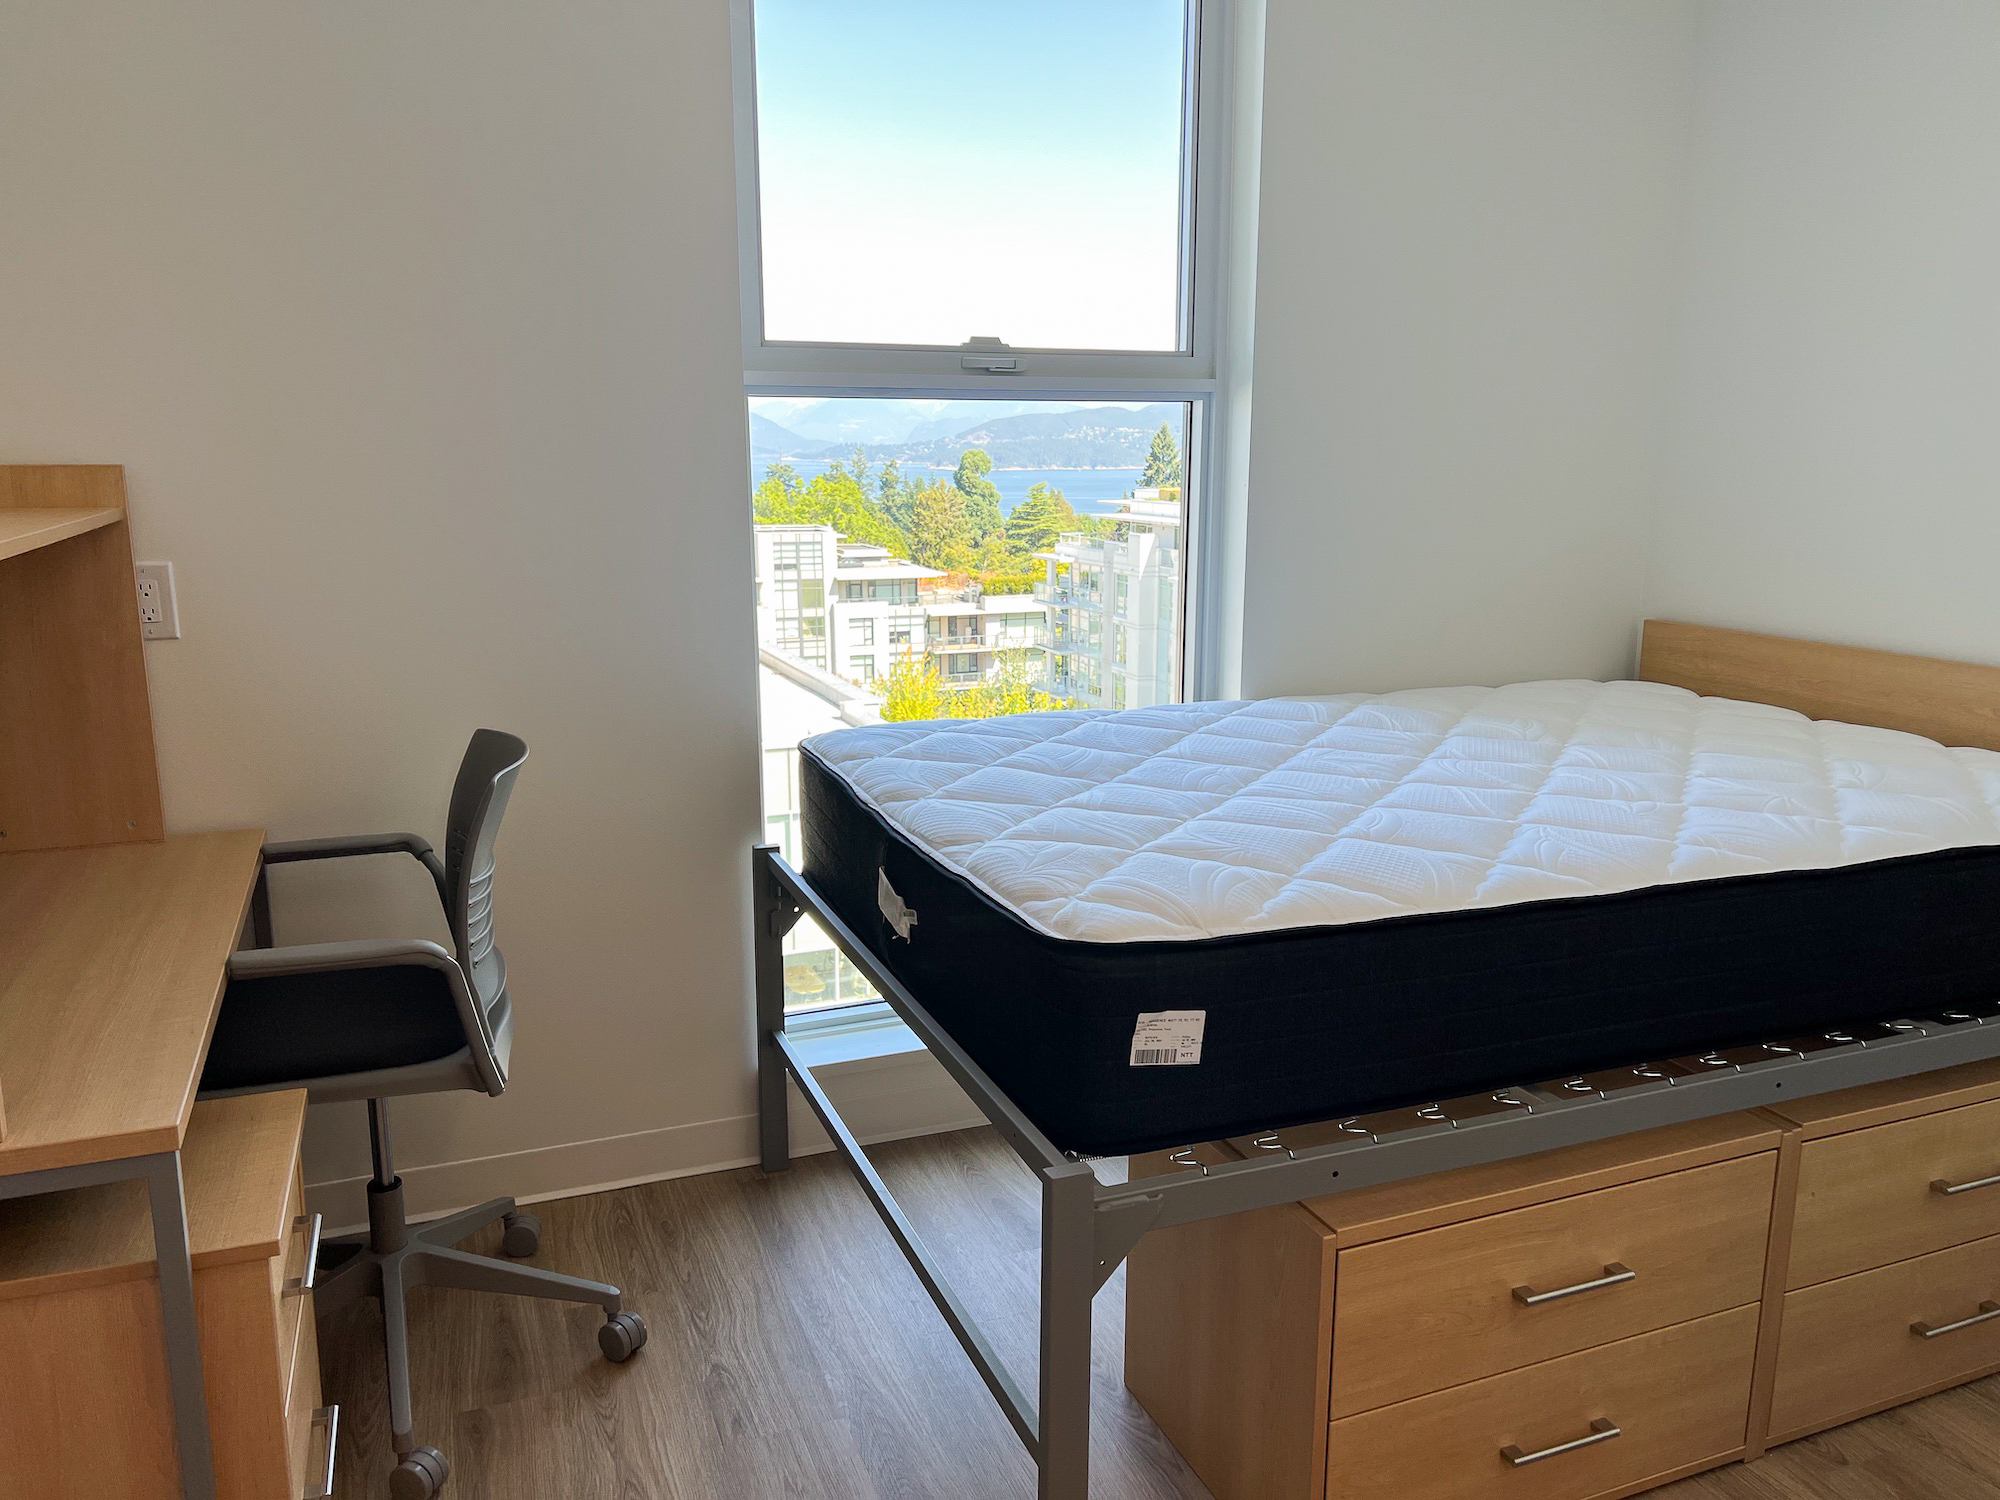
column 297, row 1027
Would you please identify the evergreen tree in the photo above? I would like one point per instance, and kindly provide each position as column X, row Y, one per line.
column 1163, row 464
column 897, row 495
column 1038, row 520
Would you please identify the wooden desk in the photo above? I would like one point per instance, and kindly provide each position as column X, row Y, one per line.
column 111, row 973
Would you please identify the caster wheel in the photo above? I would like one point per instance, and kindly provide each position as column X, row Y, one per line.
column 420, row 1475
column 520, row 1235
column 622, row 1336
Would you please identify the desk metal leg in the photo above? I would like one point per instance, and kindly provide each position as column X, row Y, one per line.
column 170, row 1248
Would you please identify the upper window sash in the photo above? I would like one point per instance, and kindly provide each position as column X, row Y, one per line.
column 911, row 369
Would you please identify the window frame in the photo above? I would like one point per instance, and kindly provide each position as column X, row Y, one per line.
column 1193, row 376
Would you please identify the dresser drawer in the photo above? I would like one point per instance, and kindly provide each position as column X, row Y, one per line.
column 1847, row 1347
column 1676, row 1397
column 1427, row 1311
column 1867, row 1198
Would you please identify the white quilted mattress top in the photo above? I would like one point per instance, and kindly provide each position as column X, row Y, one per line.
column 1209, row 819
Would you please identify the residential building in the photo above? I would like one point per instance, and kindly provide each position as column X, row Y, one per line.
column 849, row 608
column 1112, row 604
column 967, row 636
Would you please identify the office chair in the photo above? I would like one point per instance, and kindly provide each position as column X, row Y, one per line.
column 372, row 1020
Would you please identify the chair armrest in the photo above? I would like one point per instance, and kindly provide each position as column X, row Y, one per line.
column 327, row 958
column 348, row 845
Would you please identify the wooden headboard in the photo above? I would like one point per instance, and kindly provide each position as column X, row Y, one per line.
column 1955, row 702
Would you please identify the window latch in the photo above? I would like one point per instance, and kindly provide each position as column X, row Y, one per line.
column 989, row 356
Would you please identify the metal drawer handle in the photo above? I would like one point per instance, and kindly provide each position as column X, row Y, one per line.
column 1602, row 1430
column 302, row 1283
column 1988, row 1311
column 1614, row 1275
column 326, row 1419
column 1953, row 1189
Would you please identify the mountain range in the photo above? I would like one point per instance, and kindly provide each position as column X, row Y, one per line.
column 932, row 434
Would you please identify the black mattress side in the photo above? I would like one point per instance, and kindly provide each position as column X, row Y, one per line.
column 1322, row 1022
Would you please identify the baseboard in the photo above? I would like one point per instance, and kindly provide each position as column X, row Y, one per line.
column 882, row 1099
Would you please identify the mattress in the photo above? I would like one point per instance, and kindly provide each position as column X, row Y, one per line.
column 1173, row 924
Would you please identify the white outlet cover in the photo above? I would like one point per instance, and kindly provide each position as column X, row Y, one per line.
column 159, row 611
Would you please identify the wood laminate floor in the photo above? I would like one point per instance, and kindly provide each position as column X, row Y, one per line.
column 794, row 1355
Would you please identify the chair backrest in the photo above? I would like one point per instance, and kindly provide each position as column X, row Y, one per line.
column 478, row 800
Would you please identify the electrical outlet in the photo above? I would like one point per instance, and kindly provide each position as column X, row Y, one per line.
column 159, row 613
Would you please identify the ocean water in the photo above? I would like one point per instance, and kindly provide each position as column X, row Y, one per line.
column 1091, row 491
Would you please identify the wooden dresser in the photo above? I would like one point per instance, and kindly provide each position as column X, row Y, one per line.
column 1890, row 1261
column 83, row 1389
column 1586, row 1324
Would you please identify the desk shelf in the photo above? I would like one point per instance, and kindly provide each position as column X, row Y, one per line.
column 26, row 529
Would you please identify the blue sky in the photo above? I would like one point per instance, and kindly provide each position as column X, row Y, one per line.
column 934, row 169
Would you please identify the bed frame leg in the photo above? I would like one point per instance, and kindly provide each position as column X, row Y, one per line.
column 774, row 914
column 1069, row 1283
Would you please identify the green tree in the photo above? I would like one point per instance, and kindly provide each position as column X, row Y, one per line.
column 835, row 498
column 1163, row 464
column 784, row 476
column 1014, row 686
column 914, row 691
column 940, row 530
column 1039, row 519
column 982, row 495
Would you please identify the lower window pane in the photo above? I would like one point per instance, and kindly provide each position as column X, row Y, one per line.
column 955, row 559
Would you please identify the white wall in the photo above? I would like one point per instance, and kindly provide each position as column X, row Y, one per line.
column 1465, row 237
column 1833, row 458
column 416, row 329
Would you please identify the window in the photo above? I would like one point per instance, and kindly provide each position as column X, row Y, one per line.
column 1078, row 164
column 1023, row 267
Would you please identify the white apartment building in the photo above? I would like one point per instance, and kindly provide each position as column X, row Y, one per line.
column 849, row 608
column 1113, row 608
column 965, row 636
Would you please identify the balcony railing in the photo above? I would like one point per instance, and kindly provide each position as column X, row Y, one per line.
column 1036, row 638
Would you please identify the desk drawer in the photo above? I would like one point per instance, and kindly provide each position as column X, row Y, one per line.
column 307, row 1456
column 1677, row 1397
column 1432, row 1310
column 1866, row 1198
column 1847, row 1346
column 294, row 1272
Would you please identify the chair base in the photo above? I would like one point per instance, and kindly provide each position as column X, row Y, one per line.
column 393, row 1258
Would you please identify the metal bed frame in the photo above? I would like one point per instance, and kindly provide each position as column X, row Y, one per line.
column 1090, row 1226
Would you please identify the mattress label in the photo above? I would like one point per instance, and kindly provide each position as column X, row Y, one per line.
column 899, row 917
column 1168, row 1038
